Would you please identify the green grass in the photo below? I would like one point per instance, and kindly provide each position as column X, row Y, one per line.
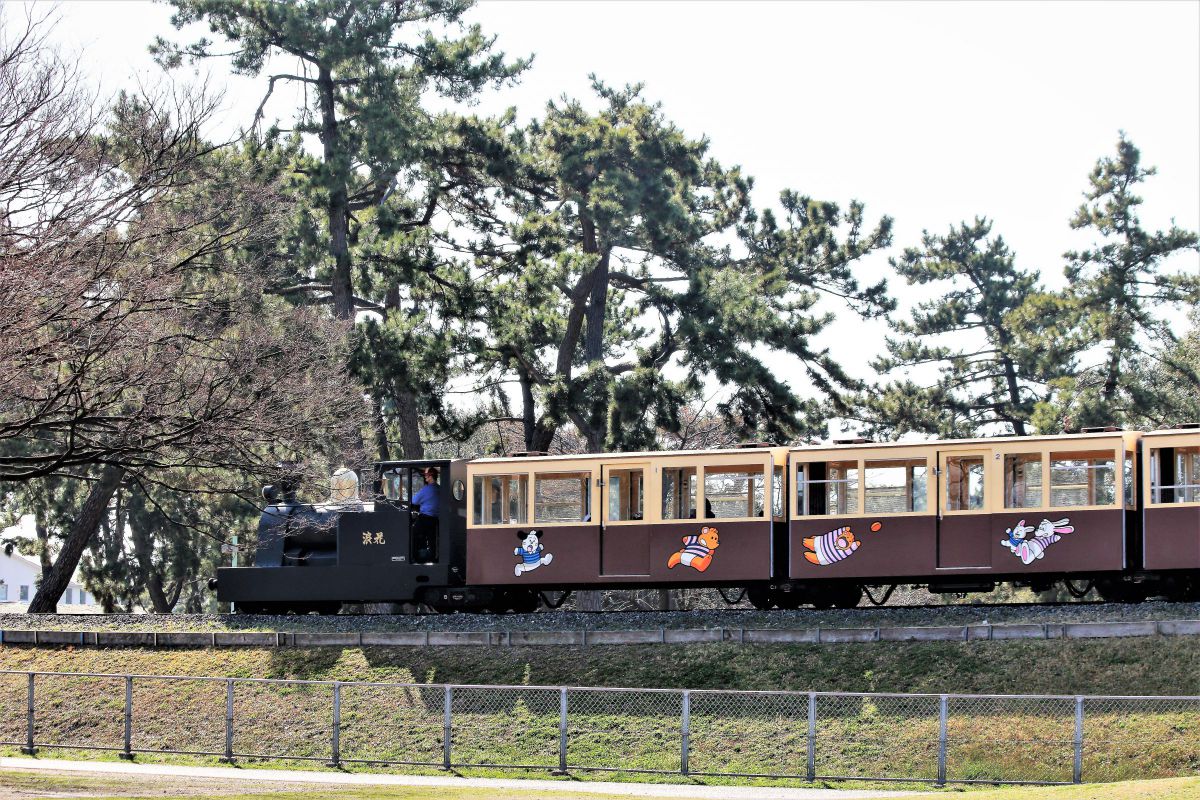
column 1113, row 666
column 884, row 737
column 1170, row 789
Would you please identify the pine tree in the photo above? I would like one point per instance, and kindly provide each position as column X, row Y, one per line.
column 1164, row 388
column 983, row 352
column 637, row 269
column 386, row 164
column 1119, row 288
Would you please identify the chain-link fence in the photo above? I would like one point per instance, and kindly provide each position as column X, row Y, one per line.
column 804, row 735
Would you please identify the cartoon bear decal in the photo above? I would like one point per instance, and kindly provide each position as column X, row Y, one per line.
column 530, row 551
column 697, row 550
column 829, row 548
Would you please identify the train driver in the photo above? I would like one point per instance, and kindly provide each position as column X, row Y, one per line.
column 424, row 531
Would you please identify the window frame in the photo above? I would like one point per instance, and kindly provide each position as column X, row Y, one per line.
column 499, row 472
column 764, row 475
column 1118, row 444
column 860, row 456
column 566, row 472
column 896, row 461
column 1043, row 492
column 1152, row 446
column 990, row 475
column 1118, row 460
column 766, row 459
column 648, row 509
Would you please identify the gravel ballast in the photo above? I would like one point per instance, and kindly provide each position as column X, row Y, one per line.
column 602, row 621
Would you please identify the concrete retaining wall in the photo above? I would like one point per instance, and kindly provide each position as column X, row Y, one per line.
column 586, row 638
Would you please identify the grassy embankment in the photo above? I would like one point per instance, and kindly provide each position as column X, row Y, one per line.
column 745, row 734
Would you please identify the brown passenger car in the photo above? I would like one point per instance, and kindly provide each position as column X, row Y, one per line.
column 1171, row 500
column 655, row 519
column 949, row 511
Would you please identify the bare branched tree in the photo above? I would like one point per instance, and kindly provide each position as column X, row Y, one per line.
column 139, row 344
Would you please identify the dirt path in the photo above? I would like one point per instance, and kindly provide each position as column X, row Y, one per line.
column 23, row 777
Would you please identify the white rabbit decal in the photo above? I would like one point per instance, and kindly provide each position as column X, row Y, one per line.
column 1047, row 533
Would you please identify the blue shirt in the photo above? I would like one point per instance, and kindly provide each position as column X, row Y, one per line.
column 426, row 499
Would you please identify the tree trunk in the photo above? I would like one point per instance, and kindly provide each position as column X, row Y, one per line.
column 380, row 427
column 667, row 600
column 42, row 530
column 338, row 206
column 528, row 411
column 143, row 551
column 408, row 418
column 55, row 580
column 1014, row 394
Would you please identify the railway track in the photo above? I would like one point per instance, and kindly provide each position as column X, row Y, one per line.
column 889, row 623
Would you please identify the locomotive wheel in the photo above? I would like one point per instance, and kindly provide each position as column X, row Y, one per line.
column 788, row 601
column 515, row 601
column 822, row 601
column 846, row 596
column 760, row 597
column 1118, row 591
column 525, row 602
column 327, row 608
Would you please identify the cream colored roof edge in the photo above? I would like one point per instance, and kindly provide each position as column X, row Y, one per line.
column 986, row 440
column 1172, row 432
column 641, row 454
column 646, row 454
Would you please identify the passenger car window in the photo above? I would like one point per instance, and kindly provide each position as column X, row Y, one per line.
column 1083, row 479
column 1175, row 475
column 500, row 499
column 1023, row 480
column 827, row 488
column 562, row 497
column 896, row 486
column 732, row 492
column 626, row 494
column 964, row 483
column 679, row 493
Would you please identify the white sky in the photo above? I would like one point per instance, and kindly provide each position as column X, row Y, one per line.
column 930, row 112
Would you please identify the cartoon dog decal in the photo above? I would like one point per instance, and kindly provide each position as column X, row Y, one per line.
column 697, row 551
column 1029, row 550
column 829, row 548
column 530, row 552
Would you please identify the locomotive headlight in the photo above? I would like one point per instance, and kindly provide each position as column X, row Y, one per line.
column 270, row 493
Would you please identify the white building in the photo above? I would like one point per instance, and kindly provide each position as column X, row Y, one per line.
column 18, row 582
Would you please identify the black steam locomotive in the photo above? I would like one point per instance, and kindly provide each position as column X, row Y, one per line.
column 317, row 557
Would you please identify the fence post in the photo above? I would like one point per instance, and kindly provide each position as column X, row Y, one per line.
column 29, row 749
column 335, row 744
column 127, row 753
column 449, row 701
column 685, row 730
column 812, row 736
column 1077, row 771
column 228, row 720
column 943, row 709
column 562, row 731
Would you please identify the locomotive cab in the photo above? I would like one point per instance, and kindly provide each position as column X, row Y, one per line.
column 402, row 542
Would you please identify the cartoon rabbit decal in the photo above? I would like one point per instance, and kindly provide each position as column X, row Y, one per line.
column 1047, row 533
